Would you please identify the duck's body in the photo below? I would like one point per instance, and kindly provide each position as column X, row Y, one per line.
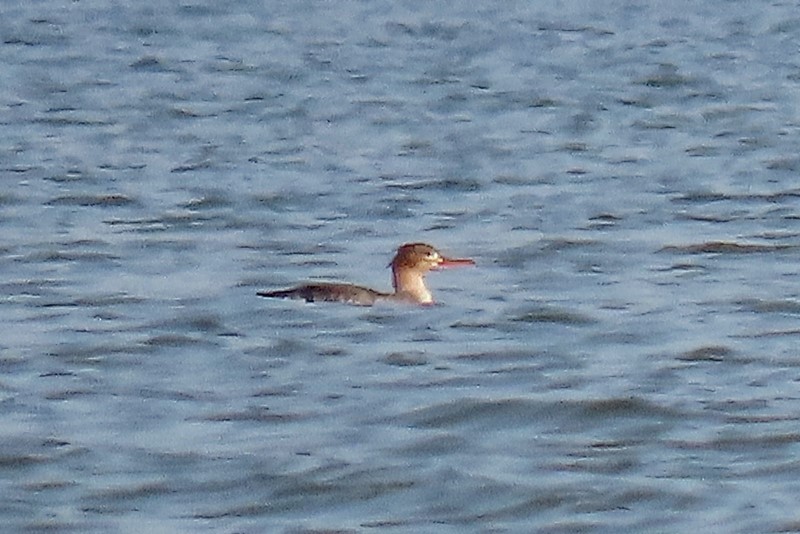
column 350, row 294
column 409, row 267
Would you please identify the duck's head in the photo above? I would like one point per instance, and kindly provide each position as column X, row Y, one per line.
column 422, row 258
column 410, row 265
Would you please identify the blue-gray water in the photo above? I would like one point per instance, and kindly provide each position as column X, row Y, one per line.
column 624, row 357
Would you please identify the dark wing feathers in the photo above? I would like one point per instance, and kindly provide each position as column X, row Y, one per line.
column 350, row 294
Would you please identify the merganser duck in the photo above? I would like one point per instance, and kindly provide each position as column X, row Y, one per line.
column 409, row 267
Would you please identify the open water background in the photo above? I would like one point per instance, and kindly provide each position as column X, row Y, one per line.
column 624, row 357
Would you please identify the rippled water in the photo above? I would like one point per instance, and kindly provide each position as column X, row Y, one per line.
column 623, row 357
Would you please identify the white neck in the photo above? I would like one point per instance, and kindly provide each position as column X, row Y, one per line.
column 410, row 284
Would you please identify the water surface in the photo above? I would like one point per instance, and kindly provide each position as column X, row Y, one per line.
column 622, row 358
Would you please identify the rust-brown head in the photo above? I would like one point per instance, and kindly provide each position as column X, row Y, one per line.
column 410, row 265
column 423, row 258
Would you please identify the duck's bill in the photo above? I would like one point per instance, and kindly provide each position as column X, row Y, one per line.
column 447, row 263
